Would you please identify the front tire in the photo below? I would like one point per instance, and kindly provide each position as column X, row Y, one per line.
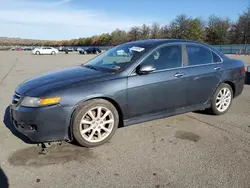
column 94, row 122
column 222, row 99
column 37, row 53
column 53, row 53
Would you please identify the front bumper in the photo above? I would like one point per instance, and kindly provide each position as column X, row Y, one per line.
column 44, row 124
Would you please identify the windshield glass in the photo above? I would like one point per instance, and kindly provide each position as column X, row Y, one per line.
column 117, row 58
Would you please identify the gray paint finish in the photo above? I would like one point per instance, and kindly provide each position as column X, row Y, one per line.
column 139, row 97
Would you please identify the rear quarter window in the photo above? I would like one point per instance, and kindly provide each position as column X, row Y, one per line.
column 216, row 58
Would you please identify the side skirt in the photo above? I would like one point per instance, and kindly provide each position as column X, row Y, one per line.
column 164, row 114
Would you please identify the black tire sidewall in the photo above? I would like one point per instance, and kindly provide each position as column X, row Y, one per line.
column 81, row 110
column 213, row 105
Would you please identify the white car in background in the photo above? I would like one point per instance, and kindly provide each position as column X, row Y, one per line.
column 45, row 50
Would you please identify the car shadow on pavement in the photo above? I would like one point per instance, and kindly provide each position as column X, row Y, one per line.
column 8, row 123
column 4, row 183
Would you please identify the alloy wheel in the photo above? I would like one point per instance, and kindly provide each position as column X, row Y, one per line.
column 223, row 99
column 96, row 124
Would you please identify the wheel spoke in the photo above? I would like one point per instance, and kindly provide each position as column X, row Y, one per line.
column 223, row 91
column 218, row 103
column 226, row 92
column 106, row 129
column 106, row 114
column 108, row 121
column 221, row 106
column 228, row 96
column 99, row 111
column 91, row 135
column 86, row 130
column 99, row 134
column 219, row 95
column 84, row 121
column 90, row 113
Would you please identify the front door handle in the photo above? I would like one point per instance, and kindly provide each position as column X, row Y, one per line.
column 217, row 68
column 179, row 74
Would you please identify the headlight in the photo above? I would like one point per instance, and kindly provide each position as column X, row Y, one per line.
column 38, row 102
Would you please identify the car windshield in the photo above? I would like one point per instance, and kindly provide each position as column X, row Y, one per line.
column 118, row 57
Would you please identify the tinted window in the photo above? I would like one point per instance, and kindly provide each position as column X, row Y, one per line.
column 198, row 55
column 165, row 58
column 216, row 58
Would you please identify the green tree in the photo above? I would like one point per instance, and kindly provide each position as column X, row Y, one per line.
column 164, row 32
column 243, row 27
column 145, row 32
column 134, row 33
column 155, row 31
column 217, row 31
column 118, row 37
column 95, row 40
column 88, row 41
column 179, row 27
column 196, row 30
column 81, row 41
column 105, row 39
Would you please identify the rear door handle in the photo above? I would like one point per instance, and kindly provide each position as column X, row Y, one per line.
column 217, row 68
column 179, row 74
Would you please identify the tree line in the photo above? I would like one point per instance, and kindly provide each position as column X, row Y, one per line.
column 215, row 30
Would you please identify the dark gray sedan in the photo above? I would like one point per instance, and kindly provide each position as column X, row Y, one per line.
column 131, row 83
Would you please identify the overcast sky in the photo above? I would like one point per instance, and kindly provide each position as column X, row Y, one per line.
column 67, row 19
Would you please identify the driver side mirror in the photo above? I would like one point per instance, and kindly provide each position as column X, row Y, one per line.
column 144, row 69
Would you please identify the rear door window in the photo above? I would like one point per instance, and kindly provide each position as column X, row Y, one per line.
column 198, row 55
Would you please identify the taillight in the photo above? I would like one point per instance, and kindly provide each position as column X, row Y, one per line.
column 243, row 69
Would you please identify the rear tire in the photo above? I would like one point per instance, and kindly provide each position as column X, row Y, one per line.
column 94, row 122
column 221, row 100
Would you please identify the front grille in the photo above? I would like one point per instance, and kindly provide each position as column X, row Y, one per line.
column 16, row 98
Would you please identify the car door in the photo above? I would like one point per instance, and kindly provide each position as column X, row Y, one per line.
column 204, row 69
column 48, row 50
column 42, row 50
column 45, row 50
column 162, row 89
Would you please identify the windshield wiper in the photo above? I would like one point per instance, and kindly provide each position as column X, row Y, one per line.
column 90, row 67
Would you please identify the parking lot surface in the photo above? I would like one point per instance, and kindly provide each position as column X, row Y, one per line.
column 190, row 150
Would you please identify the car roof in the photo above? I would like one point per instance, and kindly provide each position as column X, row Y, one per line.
column 151, row 43
column 156, row 42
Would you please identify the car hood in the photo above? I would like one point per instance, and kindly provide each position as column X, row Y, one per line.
column 40, row 85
